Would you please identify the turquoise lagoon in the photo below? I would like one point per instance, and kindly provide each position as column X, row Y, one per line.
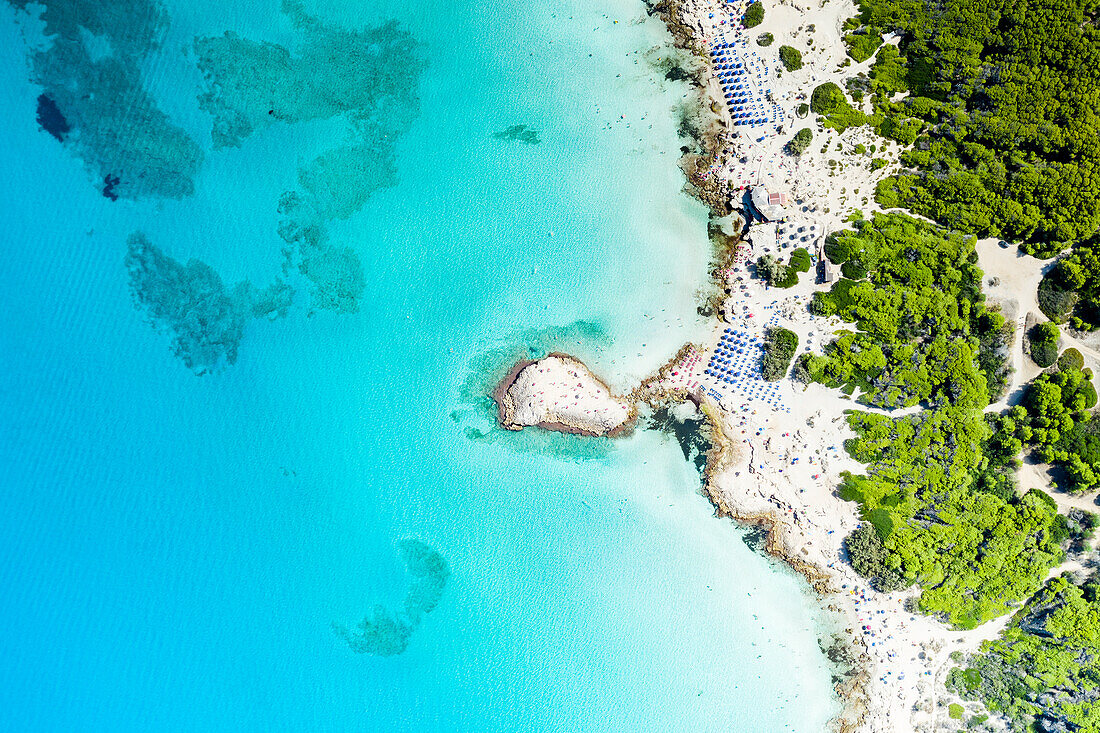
column 192, row 552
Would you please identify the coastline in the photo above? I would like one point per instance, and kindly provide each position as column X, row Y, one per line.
column 895, row 662
column 862, row 688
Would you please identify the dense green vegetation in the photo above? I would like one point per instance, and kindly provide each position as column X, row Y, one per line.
column 945, row 513
column 863, row 41
column 1043, row 338
column 754, row 15
column 800, row 260
column 1046, row 665
column 1053, row 418
column 1072, row 287
column 780, row 275
column 791, row 58
column 765, row 39
column 921, row 316
column 800, row 143
column 997, row 103
column 868, row 555
column 853, row 270
column 1071, row 359
column 1002, row 107
column 829, row 101
column 780, row 346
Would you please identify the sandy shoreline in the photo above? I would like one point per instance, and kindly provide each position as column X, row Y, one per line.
column 899, row 660
column 777, row 453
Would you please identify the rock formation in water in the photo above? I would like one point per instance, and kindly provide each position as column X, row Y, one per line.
column 559, row 393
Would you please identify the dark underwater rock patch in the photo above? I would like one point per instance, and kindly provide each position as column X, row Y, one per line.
column 519, row 133
column 122, row 132
column 206, row 319
column 367, row 77
column 50, row 118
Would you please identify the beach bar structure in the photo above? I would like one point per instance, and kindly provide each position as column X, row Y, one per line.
column 828, row 272
column 770, row 205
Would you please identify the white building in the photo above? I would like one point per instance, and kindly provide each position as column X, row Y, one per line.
column 770, row 205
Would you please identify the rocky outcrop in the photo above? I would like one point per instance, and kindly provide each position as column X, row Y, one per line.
column 559, row 393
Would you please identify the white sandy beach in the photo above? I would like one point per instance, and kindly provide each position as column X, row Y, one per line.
column 784, row 457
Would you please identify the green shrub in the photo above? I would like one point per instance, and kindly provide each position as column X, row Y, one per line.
column 1071, row 359
column 788, row 280
column 827, row 98
column 853, row 270
column 764, row 39
column 1089, row 394
column 801, row 141
column 889, row 71
column 1047, row 332
column 861, row 46
column 802, row 110
column 801, row 260
column 754, row 15
column 1055, row 301
column 1043, row 354
column 780, row 346
column 791, row 58
column 868, row 555
column 955, row 711
column 1044, row 344
column 801, row 371
column 903, row 129
column 775, row 273
column 878, row 163
column 837, row 250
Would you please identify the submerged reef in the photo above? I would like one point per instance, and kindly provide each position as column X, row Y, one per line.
column 50, row 119
column 206, row 318
column 367, row 74
column 383, row 632
column 94, row 99
column 519, row 133
column 335, row 272
column 368, row 79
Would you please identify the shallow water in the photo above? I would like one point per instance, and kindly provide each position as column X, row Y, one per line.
column 176, row 549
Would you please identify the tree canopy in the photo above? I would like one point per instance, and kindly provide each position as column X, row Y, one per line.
column 938, row 497
column 1002, row 108
column 780, row 345
column 791, row 58
column 1047, row 662
column 754, row 15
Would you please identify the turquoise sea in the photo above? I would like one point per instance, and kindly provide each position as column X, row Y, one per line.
column 256, row 286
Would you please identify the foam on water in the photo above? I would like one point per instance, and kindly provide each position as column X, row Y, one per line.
column 176, row 549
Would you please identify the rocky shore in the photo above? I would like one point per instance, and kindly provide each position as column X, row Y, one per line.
column 560, row 393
